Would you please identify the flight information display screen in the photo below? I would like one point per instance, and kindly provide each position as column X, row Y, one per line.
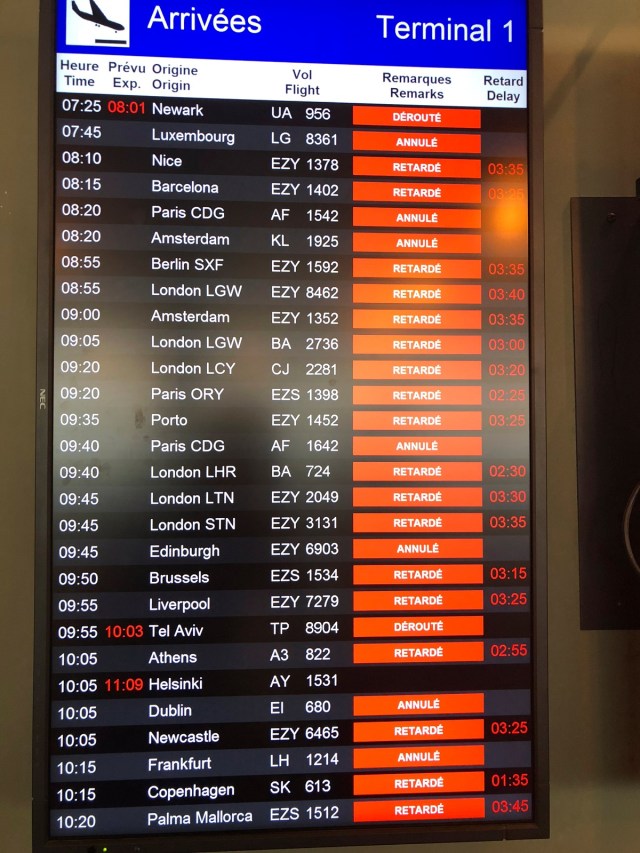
column 290, row 565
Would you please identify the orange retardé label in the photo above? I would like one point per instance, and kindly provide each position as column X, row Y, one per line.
column 421, row 370
column 417, row 395
column 418, row 730
column 401, row 522
column 416, row 167
column 429, row 575
column 408, row 472
column 415, row 268
column 422, row 193
column 418, row 600
column 392, row 421
column 432, row 809
column 423, row 653
column 412, row 496
column 406, row 319
column 414, row 345
column 366, row 784
column 402, row 294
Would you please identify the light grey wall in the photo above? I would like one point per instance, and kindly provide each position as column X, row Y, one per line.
column 592, row 56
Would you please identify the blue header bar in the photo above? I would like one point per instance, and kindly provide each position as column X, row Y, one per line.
column 449, row 34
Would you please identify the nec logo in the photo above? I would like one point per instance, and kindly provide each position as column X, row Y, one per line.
column 98, row 22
